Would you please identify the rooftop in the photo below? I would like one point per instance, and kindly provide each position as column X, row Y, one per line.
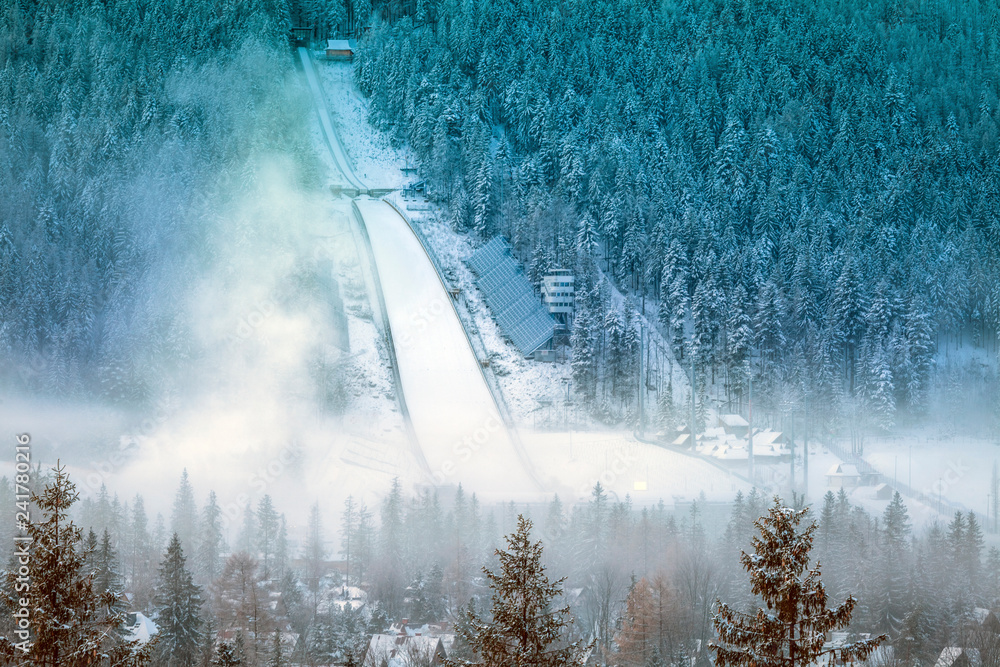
column 511, row 297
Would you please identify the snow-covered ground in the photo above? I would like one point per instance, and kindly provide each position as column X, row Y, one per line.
column 457, row 425
column 431, row 347
column 369, row 151
column 571, row 462
column 535, row 392
column 528, row 386
column 956, row 469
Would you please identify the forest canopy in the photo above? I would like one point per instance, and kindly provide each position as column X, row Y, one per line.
column 813, row 184
column 126, row 129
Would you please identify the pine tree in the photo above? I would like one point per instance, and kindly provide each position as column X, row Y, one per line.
column 919, row 353
column 891, row 605
column 524, row 628
column 140, row 557
column 848, row 314
column 184, row 517
column 107, row 577
column 793, row 628
column 268, row 525
column 281, row 550
column 348, row 527
column 211, row 544
column 880, row 390
column 972, row 555
column 226, row 656
column 70, row 620
column 178, row 603
column 586, row 237
column 584, row 361
column 207, row 650
column 277, row 658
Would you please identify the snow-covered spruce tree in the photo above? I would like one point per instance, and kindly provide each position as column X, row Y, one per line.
column 211, row 544
column 184, row 517
column 268, row 525
column 178, row 601
column 525, row 630
column 792, row 629
column 226, row 656
column 107, row 575
column 71, row 621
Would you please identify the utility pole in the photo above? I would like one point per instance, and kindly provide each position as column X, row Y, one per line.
column 641, row 387
column 805, row 462
column 791, row 440
column 995, row 492
column 694, row 411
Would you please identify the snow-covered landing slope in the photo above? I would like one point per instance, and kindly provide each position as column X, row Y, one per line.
column 453, row 413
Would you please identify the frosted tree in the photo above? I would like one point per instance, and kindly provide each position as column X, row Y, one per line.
column 178, row 604
column 71, row 621
column 184, row 517
column 587, row 237
column 585, row 353
column 336, row 16
column 268, row 526
column 739, row 340
column 792, row 628
column 919, row 353
column 848, row 314
column 880, row 389
column 107, row 574
column 211, row 544
column 140, row 557
column 524, row 628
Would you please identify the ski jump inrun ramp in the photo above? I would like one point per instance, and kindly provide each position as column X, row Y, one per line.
column 459, row 435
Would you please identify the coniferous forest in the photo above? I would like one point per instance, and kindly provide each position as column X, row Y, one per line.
column 810, row 184
column 128, row 131
column 804, row 196
column 641, row 584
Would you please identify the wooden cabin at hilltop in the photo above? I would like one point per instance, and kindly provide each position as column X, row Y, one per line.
column 339, row 49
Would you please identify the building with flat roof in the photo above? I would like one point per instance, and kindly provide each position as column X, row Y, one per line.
column 558, row 292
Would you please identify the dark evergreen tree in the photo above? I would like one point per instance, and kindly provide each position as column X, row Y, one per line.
column 792, row 629
column 227, row 656
column 184, row 517
column 211, row 544
column 178, row 610
column 268, row 524
column 525, row 627
column 70, row 620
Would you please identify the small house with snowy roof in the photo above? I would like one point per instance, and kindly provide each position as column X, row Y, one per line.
column 954, row 656
column 339, row 49
column 843, row 476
